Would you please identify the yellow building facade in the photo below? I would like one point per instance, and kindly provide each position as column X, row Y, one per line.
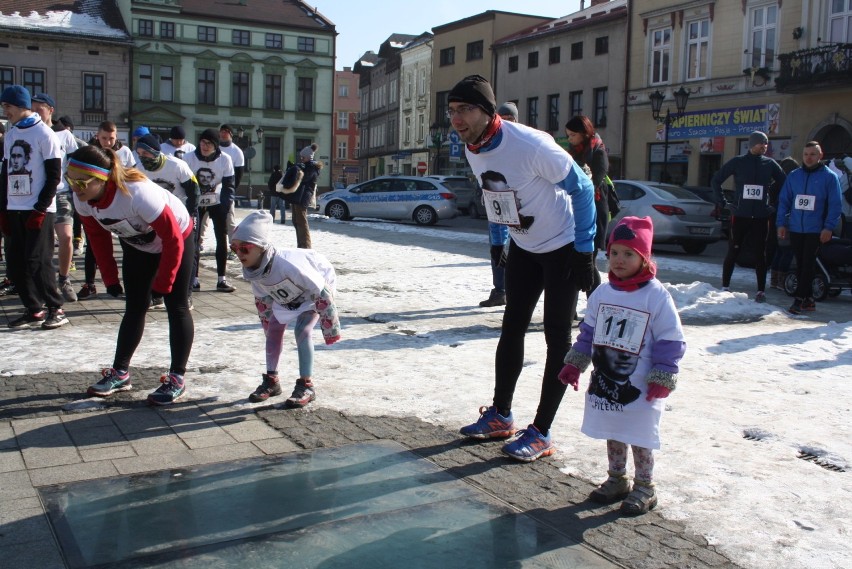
column 784, row 68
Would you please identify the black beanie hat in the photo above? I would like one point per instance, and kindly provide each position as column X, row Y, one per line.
column 177, row 133
column 150, row 143
column 210, row 135
column 474, row 90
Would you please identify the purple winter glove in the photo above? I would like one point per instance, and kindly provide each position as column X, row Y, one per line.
column 570, row 375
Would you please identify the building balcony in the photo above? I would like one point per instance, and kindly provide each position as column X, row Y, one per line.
column 91, row 117
column 826, row 67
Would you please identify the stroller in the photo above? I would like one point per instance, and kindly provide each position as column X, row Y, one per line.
column 833, row 272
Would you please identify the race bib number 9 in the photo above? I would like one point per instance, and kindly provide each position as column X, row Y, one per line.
column 620, row 327
column 805, row 202
column 501, row 207
column 19, row 185
column 752, row 192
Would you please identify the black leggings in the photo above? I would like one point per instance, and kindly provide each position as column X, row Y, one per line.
column 527, row 276
column 138, row 271
column 219, row 216
column 753, row 230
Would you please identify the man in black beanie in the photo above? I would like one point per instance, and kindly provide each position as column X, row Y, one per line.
column 214, row 171
column 532, row 186
column 177, row 145
column 757, row 181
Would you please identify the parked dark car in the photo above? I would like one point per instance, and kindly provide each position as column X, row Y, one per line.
column 463, row 188
column 707, row 194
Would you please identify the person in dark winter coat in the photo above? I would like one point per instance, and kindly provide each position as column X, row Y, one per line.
column 276, row 200
column 587, row 149
column 754, row 175
column 301, row 199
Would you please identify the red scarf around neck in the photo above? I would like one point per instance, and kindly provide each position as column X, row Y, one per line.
column 632, row 283
column 492, row 129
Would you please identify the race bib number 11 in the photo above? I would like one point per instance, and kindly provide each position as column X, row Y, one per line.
column 620, row 327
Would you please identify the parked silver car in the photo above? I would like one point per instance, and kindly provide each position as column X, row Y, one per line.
column 679, row 216
column 422, row 200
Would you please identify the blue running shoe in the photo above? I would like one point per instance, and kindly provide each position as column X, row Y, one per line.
column 112, row 382
column 491, row 425
column 173, row 388
column 529, row 445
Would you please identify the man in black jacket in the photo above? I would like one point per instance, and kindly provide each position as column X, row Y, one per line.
column 754, row 175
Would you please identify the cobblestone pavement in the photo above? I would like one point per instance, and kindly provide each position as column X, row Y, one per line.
column 41, row 444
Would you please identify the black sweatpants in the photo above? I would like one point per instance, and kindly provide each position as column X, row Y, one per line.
column 29, row 261
column 527, row 276
column 219, row 216
column 138, row 271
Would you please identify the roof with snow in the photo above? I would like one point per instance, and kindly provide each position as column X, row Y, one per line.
column 88, row 18
column 599, row 13
column 290, row 13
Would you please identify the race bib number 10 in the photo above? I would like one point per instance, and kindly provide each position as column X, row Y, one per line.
column 620, row 327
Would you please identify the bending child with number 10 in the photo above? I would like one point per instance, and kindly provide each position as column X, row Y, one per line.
column 633, row 338
column 291, row 286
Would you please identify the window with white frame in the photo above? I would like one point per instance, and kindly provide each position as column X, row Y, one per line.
column 661, row 55
column 421, row 127
column 407, row 132
column 697, row 48
column 840, row 21
column 343, row 90
column 409, row 84
column 341, row 150
column 421, row 89
column 342, row 120
column 763, row 35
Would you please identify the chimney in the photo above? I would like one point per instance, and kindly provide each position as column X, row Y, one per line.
column 582, row 4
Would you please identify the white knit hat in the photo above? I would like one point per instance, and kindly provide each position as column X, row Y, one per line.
column 254, row 229
column 308, row 152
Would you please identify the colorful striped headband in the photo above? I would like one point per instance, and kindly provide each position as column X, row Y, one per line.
column 91, row 169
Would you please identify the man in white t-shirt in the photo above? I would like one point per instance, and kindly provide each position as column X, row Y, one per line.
column 215, row 174
column 177, row 145
column 547, row 202
column 44, row 105
column 227, row 146
column 30, row 174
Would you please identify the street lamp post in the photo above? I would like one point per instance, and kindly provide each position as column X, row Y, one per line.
column 437, row 132
column 657, row 98
column 246, row 144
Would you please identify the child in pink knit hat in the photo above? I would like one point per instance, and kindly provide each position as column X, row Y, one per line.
column 633, row 338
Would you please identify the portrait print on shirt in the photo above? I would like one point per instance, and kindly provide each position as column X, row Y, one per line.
column 20, row 179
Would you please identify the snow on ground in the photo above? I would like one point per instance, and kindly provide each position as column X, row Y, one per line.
column 756, row 387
